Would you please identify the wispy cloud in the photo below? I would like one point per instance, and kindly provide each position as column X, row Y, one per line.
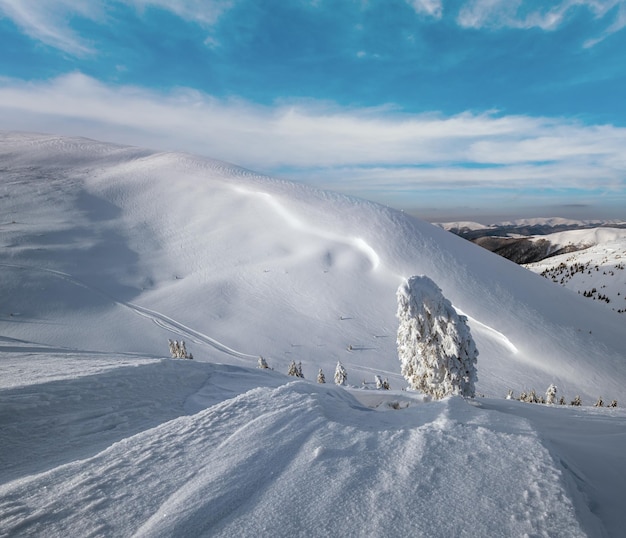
column 432, row 8
column 50, row 21
column 372, row 149
column 197, row 11
column 523, row 14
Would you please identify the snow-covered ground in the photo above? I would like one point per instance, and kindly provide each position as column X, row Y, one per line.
column 108, row 251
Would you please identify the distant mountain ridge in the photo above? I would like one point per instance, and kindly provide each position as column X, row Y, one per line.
column 587, row 257
column 531, row 240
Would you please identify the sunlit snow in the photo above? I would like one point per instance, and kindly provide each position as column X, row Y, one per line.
column 109, row 251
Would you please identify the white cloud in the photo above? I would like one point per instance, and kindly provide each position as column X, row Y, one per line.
column 49, row 21
column 369, row 149
column 198, row 11
column 523, row 14
column 432, row 8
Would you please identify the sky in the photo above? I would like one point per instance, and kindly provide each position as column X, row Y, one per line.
column 449, row 109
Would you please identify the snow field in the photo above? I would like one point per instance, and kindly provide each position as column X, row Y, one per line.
column 290, row 459
column 107, row 252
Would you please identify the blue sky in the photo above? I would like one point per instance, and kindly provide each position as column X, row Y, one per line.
column 449, row 108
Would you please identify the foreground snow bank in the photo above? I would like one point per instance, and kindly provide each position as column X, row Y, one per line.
column 286, row 459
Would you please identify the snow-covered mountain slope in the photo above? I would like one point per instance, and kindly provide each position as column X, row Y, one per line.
column 108, row 251
column 582, row 239
column 109, row 248
column 597, row 272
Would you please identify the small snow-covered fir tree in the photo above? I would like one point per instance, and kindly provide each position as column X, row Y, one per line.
column 613, row 403
column 299, row 370
column 576, row 401
column 293, row 369
column 551, row 393
column 435, row 346
column 386, row 385
column 262, row 363
column 509, row 395
column 320, row 377
column 379, row 382
column 341, row 376
column 599, row 403
column 178, row 349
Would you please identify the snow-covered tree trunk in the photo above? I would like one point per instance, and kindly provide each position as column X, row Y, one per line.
column 341, row 376
column 435, row 346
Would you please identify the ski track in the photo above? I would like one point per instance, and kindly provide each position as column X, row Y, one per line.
column 159, row 319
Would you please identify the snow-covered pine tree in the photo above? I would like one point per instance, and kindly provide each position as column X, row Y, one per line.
column 509, row 395
column 262, row 363
column 293, row 369
column 182, row 353
column 562, row 400
column 613, row 403
column 576, row 401
column 551, row 393
column 299, row 370
column 599, row 403
column 341, row 376
column 386, row 385
column 379, row 382
column 320, row 377
column 435, row 346
column 173, row 351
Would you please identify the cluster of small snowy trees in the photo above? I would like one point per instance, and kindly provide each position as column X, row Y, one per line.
column 341, row 375
column 178, row 350
column 550, row 398
column 295, row 369
column 381, row 384
column 435, row 346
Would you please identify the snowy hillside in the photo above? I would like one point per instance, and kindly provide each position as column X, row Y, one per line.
column 118, row 249
column 597, row 272
column 109, row 251
column 582, row 239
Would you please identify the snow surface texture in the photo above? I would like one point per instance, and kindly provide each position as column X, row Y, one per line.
column 109, row 251
column 435, row 346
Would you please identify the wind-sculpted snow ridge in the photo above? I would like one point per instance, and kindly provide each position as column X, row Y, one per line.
column 155, row 246
column 286, row 460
